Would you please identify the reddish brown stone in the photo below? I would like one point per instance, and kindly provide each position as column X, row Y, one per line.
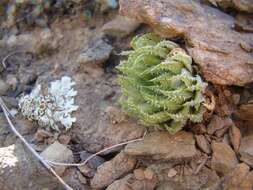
column 209, row 34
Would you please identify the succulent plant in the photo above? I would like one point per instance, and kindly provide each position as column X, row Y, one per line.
column 158, row 86
column 51, row 107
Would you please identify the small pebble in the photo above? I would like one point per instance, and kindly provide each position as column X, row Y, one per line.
column 172, row 172
column 139, row 174
column 149, row 174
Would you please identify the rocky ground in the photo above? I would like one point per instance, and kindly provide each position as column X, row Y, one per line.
column 212, row 155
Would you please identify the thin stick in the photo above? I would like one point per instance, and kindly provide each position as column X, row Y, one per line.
column 9, row 55
column 6, row 113
column 93, row 155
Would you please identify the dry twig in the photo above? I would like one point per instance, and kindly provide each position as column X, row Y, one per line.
column 93, row 155
column 45, row 163
column 9, row 55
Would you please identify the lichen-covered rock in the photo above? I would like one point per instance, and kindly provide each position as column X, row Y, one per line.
column 158, row 85
column 51, row 107
column 210, row 38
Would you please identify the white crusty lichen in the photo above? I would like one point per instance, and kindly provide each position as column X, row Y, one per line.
column 51, row 107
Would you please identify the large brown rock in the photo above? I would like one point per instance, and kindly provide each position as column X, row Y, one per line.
column 223, row 158
column 161, row 146
column 210, row 38
column 239, row 178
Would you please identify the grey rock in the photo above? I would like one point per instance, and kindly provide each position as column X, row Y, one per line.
column 96, row 52
column 57, row 152
column 94, row 162
column 90, row 168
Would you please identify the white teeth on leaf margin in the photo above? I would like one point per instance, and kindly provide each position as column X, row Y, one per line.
column 52, row 109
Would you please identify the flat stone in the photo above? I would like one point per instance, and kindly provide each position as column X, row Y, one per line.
column 112, row 170
column 120, row 26
column 161, row 146
column 209, row 34
column 246, row 150
column 223, row 158
column 239, row 178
